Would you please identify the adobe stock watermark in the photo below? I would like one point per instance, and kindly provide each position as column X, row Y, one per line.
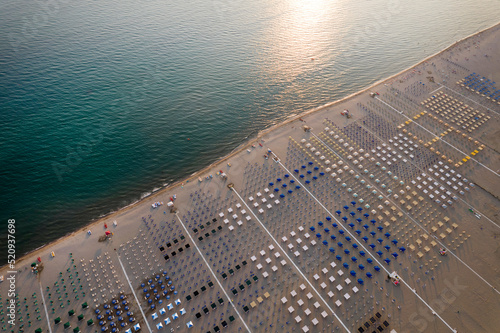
column 221, row 8
column 420, row 320
column 380, row 19
column 92, row 137
column 30, row 24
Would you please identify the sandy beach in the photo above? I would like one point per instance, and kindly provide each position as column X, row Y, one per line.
column 384, row 218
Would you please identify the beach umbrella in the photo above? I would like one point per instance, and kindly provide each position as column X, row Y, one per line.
column 369, row 275
column 341, row 232
column 332, row 250
column 347, row 238
column 328, row 218
column 137, row 327
column 327, row 230
column 369, row 260
column 395, row 255
column 38, row 330
column 189, row 324
column 387, row 235
column 354, row 259
column 80, row 317
column 358, row 220
column 365, row 238
column 159, row 326
column 351, row 225
column 362, row 253
column 372, row 246
column 346, row 265
column 361, row 267
column 90, row 322
column 395, row 242
column 360, row 209
column 340, row 244
column 360, row 281
column 320, row 223
column 376, row 268
column 175, row 316
column 352, row 213
column 387, row 260
column 373, row 221
column 85, row 305
column 358, row 232
column 183, row 311
column 155, row 316
column 346, row 207
column 380, row 240
column 57, row 320
column 333, row 237
column 325, row 242
column 353, row 273
column 67, row 325
column 167, row 321
column 338, row 212
column 338, row 257
column 346, row 251
column 162, row 311
column 344, row 218
column 387, row 247
column 372, row 233
column 335, row 225
column 402, row 249
column 128, row 331
column 380, row 228
column 76, row 329
column 379, row 253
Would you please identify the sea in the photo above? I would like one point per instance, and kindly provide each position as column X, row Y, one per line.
column 103, row 102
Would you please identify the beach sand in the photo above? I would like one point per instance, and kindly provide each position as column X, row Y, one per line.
column 266, row 268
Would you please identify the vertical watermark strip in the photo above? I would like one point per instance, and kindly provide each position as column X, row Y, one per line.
column 11, row 278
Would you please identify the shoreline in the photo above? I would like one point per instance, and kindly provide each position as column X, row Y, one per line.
column 244, row 145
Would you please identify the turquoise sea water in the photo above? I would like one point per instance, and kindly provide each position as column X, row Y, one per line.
column 98, row 98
